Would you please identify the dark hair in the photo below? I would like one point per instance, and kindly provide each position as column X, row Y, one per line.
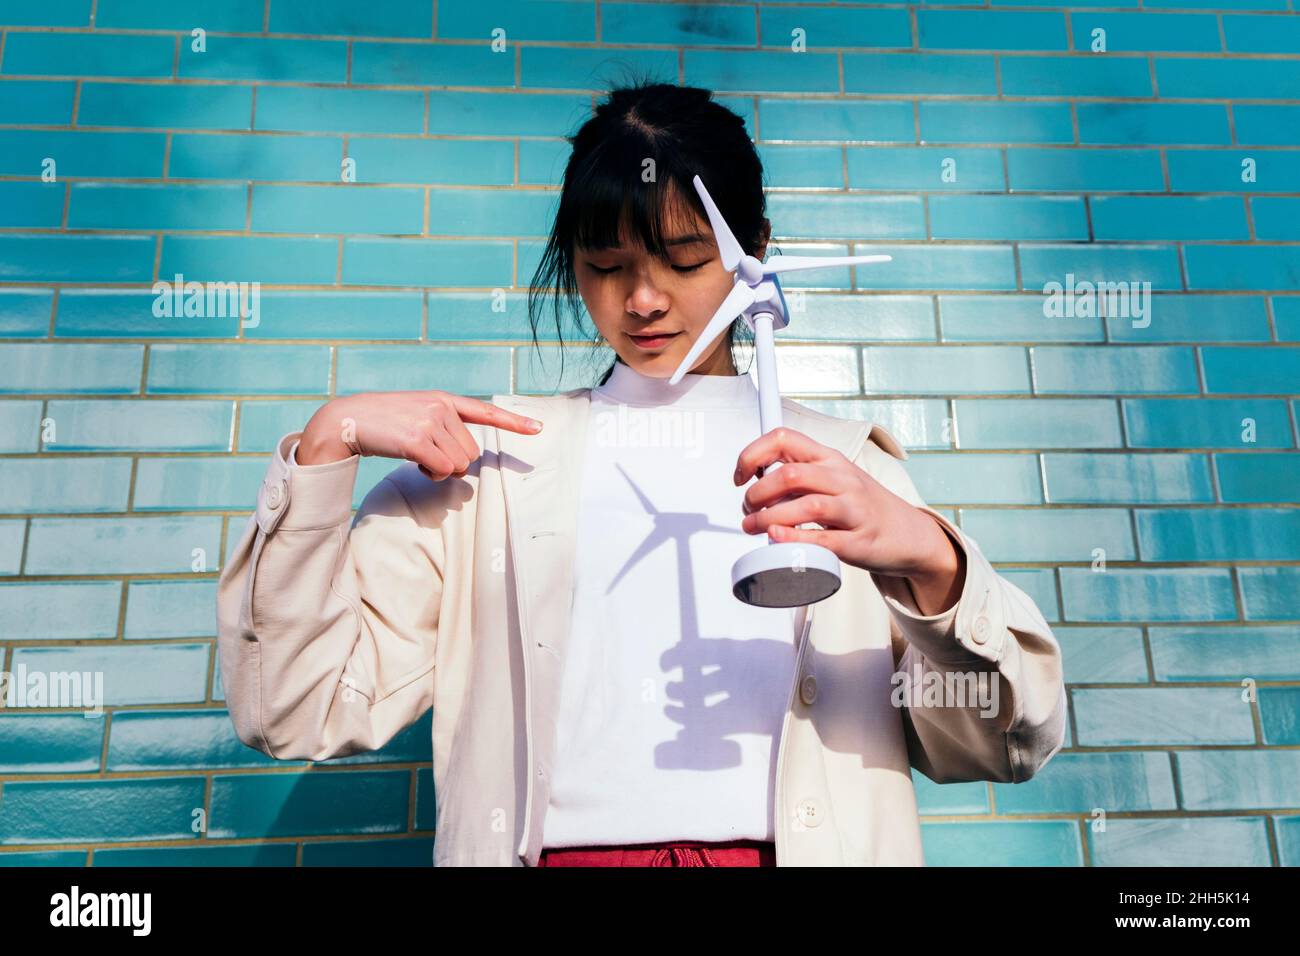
column 686, row 133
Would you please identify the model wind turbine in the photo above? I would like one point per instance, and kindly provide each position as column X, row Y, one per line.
column 792, row 573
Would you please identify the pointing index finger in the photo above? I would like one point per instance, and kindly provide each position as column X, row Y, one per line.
column 485, row 413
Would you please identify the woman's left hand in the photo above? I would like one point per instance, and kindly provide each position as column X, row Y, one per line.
column 866, row 525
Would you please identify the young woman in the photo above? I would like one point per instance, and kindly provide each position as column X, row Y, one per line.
column 552, row 575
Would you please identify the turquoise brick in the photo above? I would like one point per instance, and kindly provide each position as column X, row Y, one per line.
column 46, row 258
column 60, row 610
column 861, row 318
column 1239, row 779
column 1137, row 368
column 32, row 743
column 465, row 371
column 491, row 212
column 197, row 484
column 133, row 674
column 106, row 369
column 1266, row 124
column 34, row 205
column 1040, row 585
column 949, row 798
column 338, row 209
column 186, row 106
column 1222, row 170
column 802, row 166
column 990, row 30
column 1143, row 32
column 105, row 206
column 50, row 858
column 309, row 804
column 378, row 18
column 523, row 20
column 444, row 65
column 1268, row 594
column 53, row 485
column 1225, row 653
column 925, row 167
column 541, row 162
column 232, row 16
column 25, row 313
column 438, row 161
column 1147, row 594
column 1075, row 76
column 1007, row 217
column 179, row 740
column 336, row 110
column 20, row 424
column 1288, row 839
column 836, row 120
column 917, row 423
column 1045, row 843
column 1168, row 217
column 678, row 25
column 818, row 371
column 761, row 71
column 1278, row 707
column 1139, row 716
column 1166, row 123
column 568, row 68
column 976, row 479
column 1217, row 4
column 81, row 811
column 1205, row 423
column 262, row 424
column 933, row 266
column 250, row 259
column 454, row 113
column 1276, row 218
column 1037, row 423
column 121, row 546
column 1158, row 265
column 339, row 315
column 267, row 370
column 1259, row 477
column 425, row 262
column 1261, row 34
column 402, row 852
column 1053, row 534
column 11, row 546
column 1195, row 318
column 154, row 425
column 56, row 13
column 851, row 217
column 1011, row 318
column 1249, row 268
column 1252, row 369
column 974, row 122
column 548, row 371
column 939, row 370
column 1103, row 655
column 128, row 313
column 254, row 854
column 1182, row 841
column 94, row 54
column 1240, row 534
column 262, row 156
column 170, row 608
column 1080, row 783
column 1217, row 78
column 826, row 27
column 919, row 73
column 258, row 58
column 425, row 799
column 36, row 101
column 1085, row 169
column 1146, row 478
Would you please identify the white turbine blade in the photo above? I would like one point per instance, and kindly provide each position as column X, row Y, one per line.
column 740, row 298
column 793, row 263
column 727, row 244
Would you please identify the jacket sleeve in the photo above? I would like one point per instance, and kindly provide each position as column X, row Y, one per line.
column 994, row 629
column 326, row 626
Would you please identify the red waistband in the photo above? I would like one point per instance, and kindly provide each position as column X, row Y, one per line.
column 675, row 853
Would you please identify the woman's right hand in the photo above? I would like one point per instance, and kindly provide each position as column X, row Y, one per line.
column 427, row 428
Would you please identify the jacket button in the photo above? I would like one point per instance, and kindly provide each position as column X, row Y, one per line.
column 274, row 497
column 808, row 689
column 809, row 813
column 981, row 633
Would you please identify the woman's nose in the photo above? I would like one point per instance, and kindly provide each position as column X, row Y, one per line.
column 645, row 299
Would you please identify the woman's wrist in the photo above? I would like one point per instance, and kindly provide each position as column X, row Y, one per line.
column 322, row 440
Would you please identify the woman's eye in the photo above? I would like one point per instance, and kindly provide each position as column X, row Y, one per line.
column 599, row 271
column 691, row 268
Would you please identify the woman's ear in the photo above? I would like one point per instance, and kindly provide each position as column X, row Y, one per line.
column 761, row 253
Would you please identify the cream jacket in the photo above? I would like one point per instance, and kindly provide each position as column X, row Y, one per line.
column 335, row 634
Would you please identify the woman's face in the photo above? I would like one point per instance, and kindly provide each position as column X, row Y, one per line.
column 651, row 312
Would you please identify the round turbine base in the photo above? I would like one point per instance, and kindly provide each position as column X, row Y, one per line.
column 786, row 574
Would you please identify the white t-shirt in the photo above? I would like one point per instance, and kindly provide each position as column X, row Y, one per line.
column 674, row 691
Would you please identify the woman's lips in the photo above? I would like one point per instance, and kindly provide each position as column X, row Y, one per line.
column 652, row 343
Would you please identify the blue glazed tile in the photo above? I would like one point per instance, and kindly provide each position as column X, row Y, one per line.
column 1182, row 841
column 944, row 370
column 425, row 800
column 32, row 743
column 197, row 484
column 54, row 485
column 1278, row 707
column 122, row 545
column 1080, row 783
column 1250, row 34
column 1045, row 843
column 378, row 18
column 484, row 316
column 245, row 156
column 599, row 69
column 107, row 369
column 1252, row 370
column 1040, row 585
column 521, row 20
column 1231, row 534
column 1286, row 317
column 1143, row 716
column 457, row 113
column 132, row 674
column 1007, row 217
column 129, row 313
column 261, row 370
column 1216, row 78
column 426, row 262
column 171, row 608
column 1222, row 170
column 925, row 167
column 11, row 546
column 110, row 206
column 698, row 24
column 1105, row 479
column 804, row 216
column 80, row 153
column 1006, row 318
column 1148, row 594
column 31, row 205
column 1085, row 169
column 140, row 426
column 465, row 371
column 179, row 740
column 1168, row 217
column 1037, row 423
column 20, row 426
column 1266, row 124
column 60, row 610
column 1075, row 76
column 818, row 371
column 1216, row 4
column 917, row 423
column 233, row 16
column 1142, row 123
column 1158, row 265
column 971, row 122
column 1230, row 653
column 990, row 30
column 57, row 13
column 255, row 854
column 1054, row 534
column 1288, row 839
column 94, row 54
column 1249, row 268
column 1238, row 779
column 919, row 73
column 442, row 161
column 308, row 804
column 1144, row 32
column 25, row 313
column 836, row 120
column 765, row 71
column 1194, row 318
column 491, row 212
column 84, row 811
column 828, row 316
column 164, row 106
column 338, row 315
column 825, row 27
column 250, row 259
column 338, row 110
column 542, row 162
column 808, row 167
column 1207, row 423
column 1102, row 655
column 1134, row 368
column 931, row 266
column 1259, row 477
column 963, row 478
column 338, row 209
column 260, row 58
column 950, row 798
column 48, row 258
column 1275, row 218
column 416, row 851
column 36, row 101
column 263, row 423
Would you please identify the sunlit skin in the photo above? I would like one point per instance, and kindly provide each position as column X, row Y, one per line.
column 628, row 292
